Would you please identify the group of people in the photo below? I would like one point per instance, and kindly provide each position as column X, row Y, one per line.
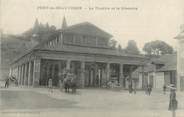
column 112, row 84
column 67, row 82
column 131, row 89
column 10, row 80
column 148, row 89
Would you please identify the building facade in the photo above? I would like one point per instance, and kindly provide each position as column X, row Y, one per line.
column 82, row 49
column 158, row 72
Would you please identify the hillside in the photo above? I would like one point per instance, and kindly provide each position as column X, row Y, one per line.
column 13, row 46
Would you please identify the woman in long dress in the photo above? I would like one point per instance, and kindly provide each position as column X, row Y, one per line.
column 173, row 102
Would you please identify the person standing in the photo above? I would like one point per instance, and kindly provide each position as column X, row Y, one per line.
column 146, row 89
column 130, row 87
column 164, row 89
column 173, row 103
column 50, row 85
column 7, row 82
column 149, row 89
column 134, row 87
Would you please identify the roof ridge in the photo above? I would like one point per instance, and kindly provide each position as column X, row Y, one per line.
column 83, row 28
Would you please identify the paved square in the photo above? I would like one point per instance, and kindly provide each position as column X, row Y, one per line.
column 31, row 100
column 87, row 102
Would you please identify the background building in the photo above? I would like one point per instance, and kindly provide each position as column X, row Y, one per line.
column 157, row 72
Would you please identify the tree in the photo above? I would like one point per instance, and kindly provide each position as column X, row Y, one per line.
column 39, row 31
column 157, row 48
column 132, row 47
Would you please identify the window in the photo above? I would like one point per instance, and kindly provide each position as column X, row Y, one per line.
column 68, row 39
column 91, row 41
column 102, row 42
column 84, row 39
column 78, row 40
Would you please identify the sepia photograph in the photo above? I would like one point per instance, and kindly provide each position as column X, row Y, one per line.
column 91, row 58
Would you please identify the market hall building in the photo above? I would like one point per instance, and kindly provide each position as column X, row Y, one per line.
column 82, row 49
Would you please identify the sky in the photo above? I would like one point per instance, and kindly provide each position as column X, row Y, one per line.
column 144, row 21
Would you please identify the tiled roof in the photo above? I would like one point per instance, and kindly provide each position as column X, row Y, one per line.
column 147, row 68
column 82, row 28
column 170, row 62
column 87, row 28
column 90, row 50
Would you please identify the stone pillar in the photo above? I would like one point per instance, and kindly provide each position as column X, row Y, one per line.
column 18, row 78
column 108, row 71
column 10, row 73
column 29, row 74
column 59, row 69
column 17, row 74
column 14, row 71
column 182, row 82
column 130, row 76
column 48, row 72
column 53, row 69
column 20, row 81
column 68, row 65
column 178, row 82
column 36, row 72
column 82, row 74
column 140, row 81
column 121, row 75
column 143, row 80
column 25, row 74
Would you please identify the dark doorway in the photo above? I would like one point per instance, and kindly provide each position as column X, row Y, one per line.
column 56, row 75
